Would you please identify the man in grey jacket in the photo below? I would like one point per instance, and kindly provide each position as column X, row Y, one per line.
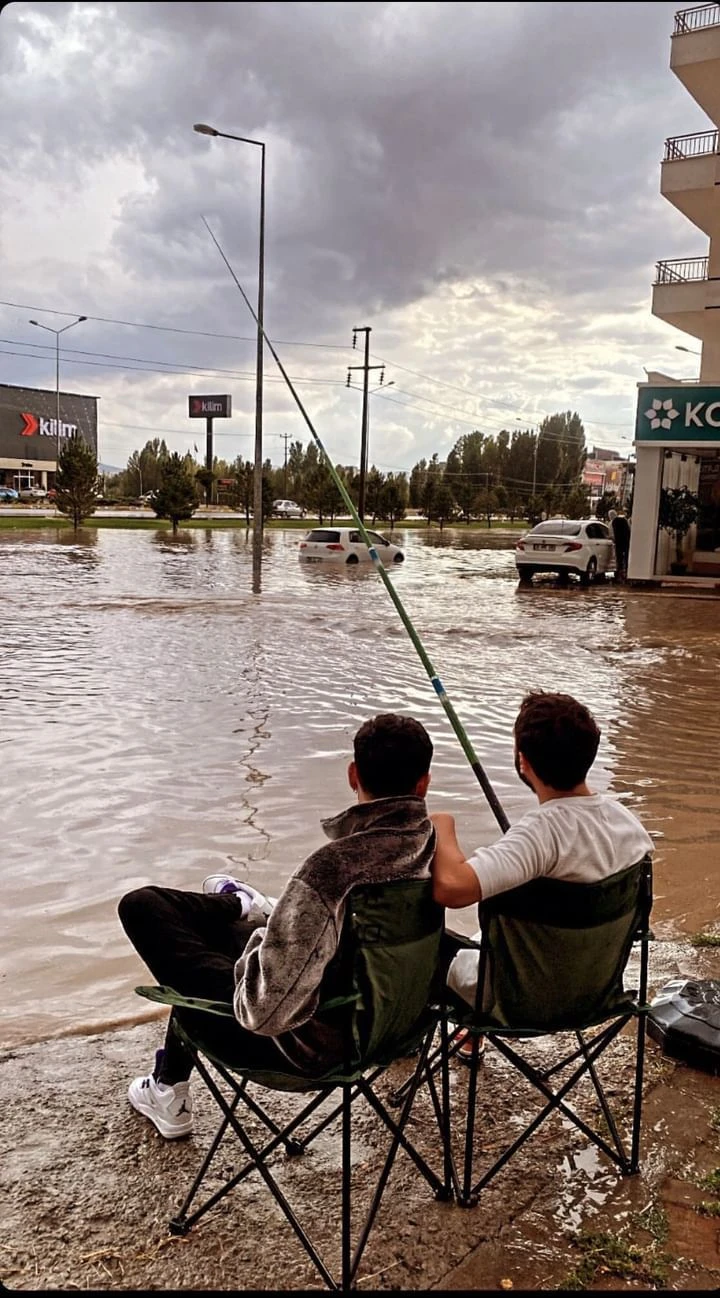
column 277, row 964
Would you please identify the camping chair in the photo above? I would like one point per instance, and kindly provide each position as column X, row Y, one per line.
column 388, row 961
column 551, row 959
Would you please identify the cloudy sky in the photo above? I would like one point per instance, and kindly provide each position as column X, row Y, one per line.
column 478, row 182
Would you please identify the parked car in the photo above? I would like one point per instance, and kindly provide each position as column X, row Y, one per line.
column 566, row 545
column 8, row 494
column 287, row 509
column 33, row 493
column 344, row 545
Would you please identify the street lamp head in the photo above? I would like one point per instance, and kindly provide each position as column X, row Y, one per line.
column 202, row 129
column 33, row 322
column 80, row 319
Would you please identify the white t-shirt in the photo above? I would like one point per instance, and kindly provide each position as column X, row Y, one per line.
column 579, row 839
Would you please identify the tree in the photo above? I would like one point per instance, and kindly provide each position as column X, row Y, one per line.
column 175, row 497
column 242, row 489
column 679, row 508
column 433, row 479
column 394, row 498
column 76, row 480
column 444, row 505
column 206, row 478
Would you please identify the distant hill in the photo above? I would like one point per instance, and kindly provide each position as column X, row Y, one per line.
column 108, row 469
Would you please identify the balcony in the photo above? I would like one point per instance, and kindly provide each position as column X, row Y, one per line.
column 690, row 177
column 686, row 296
column 696, row 19
column 695, row 55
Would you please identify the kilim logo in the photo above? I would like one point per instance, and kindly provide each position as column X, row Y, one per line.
column 31, row 424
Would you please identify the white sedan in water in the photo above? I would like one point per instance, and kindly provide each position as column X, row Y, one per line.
column 565, row 545
column 345, row 545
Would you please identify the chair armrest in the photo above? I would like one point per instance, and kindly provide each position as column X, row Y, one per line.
column 167, row 996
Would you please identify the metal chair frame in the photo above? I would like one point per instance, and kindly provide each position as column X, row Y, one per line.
column 592, row 1039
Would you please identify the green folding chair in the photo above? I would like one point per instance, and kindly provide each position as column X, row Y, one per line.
column 383, row 998
column 551, row 960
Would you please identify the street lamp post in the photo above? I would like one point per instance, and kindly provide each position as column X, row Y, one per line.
column 57, row 333
column 202, row 129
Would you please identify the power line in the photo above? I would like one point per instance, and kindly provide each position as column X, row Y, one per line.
column 242, row 376
column 172, row 329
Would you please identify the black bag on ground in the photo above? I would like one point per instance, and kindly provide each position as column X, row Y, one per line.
column 684, row 1019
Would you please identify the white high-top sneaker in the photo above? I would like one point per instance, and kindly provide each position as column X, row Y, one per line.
column 168, row 1107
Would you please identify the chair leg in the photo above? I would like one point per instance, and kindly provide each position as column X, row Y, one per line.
column 346, row 1207
column 637, row 1106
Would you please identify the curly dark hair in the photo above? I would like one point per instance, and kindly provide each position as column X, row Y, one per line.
column 391, row 754
column 558, row 736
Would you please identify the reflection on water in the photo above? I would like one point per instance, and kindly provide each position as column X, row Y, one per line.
column 159, row 722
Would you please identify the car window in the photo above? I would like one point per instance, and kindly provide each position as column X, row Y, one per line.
column 597, row 532
column 355, row 537
column 377, row 539
column 556, row 527
column 322, row 534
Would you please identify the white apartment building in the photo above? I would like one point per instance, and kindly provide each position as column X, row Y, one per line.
column 678, row 424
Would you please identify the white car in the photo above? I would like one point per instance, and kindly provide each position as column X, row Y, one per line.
column 344, row 545
column 565, row 545
column 287, row 509
column 33, row 493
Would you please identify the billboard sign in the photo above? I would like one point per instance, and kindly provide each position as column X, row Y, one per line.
column 686, row 413
column 210, row 407
column 28, row 422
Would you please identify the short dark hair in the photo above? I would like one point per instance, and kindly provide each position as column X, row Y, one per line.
column 558, row 736
column 391, row 754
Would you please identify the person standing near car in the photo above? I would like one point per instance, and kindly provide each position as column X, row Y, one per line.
column 620, row 525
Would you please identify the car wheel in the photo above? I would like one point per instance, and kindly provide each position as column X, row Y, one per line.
column 525, row 574
column 398, row 558
column 589, row 574
column 563, row 577
column 352, row 558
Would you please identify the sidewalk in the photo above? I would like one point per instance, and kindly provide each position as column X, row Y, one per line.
column 87, row 1188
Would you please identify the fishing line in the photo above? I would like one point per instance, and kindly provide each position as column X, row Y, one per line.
column 435, row 681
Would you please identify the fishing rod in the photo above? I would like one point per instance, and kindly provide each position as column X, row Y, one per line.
column 435, row 681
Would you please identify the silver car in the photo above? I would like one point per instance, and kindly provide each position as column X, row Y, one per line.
column 345, row 545
column 565, row 545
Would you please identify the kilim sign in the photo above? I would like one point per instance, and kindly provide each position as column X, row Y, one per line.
column 210, row 407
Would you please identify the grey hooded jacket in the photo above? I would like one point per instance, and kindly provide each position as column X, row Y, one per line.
column 289, row 966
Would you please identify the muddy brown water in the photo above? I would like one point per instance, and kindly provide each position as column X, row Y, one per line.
column 158, row 722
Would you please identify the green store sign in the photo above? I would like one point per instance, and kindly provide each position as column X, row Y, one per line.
column 690, row 413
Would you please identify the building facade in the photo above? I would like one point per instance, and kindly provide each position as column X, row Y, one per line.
column 677, row 425
column 31, row 436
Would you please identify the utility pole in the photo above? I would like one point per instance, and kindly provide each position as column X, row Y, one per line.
column 285, row 437
column 209, row 457
column 366, row 367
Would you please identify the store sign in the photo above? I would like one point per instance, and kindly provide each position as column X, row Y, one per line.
column 689, row 413
column 210, row 407
column 34, row 426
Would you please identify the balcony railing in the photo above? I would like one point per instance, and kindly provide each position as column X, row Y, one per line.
column 681, row 271
column 692, row 20
column 692, row 146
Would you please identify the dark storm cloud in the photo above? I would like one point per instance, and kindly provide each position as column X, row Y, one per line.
column 408, row 144
column 512, row 148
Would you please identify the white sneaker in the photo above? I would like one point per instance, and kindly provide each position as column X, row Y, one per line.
column 168, row 1107
column 254, row 904
column 215, row 883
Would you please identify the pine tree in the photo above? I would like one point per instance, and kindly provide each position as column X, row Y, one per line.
column 76, row 480
column 175, row 498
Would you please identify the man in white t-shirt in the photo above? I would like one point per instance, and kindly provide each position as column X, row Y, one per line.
column 573, row 834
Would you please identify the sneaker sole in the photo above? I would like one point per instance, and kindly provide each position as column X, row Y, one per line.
column 169, row 1131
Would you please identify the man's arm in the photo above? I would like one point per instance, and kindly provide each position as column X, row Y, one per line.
column 455, row 883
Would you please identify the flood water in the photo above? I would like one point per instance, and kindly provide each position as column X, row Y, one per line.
column 158, row 722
